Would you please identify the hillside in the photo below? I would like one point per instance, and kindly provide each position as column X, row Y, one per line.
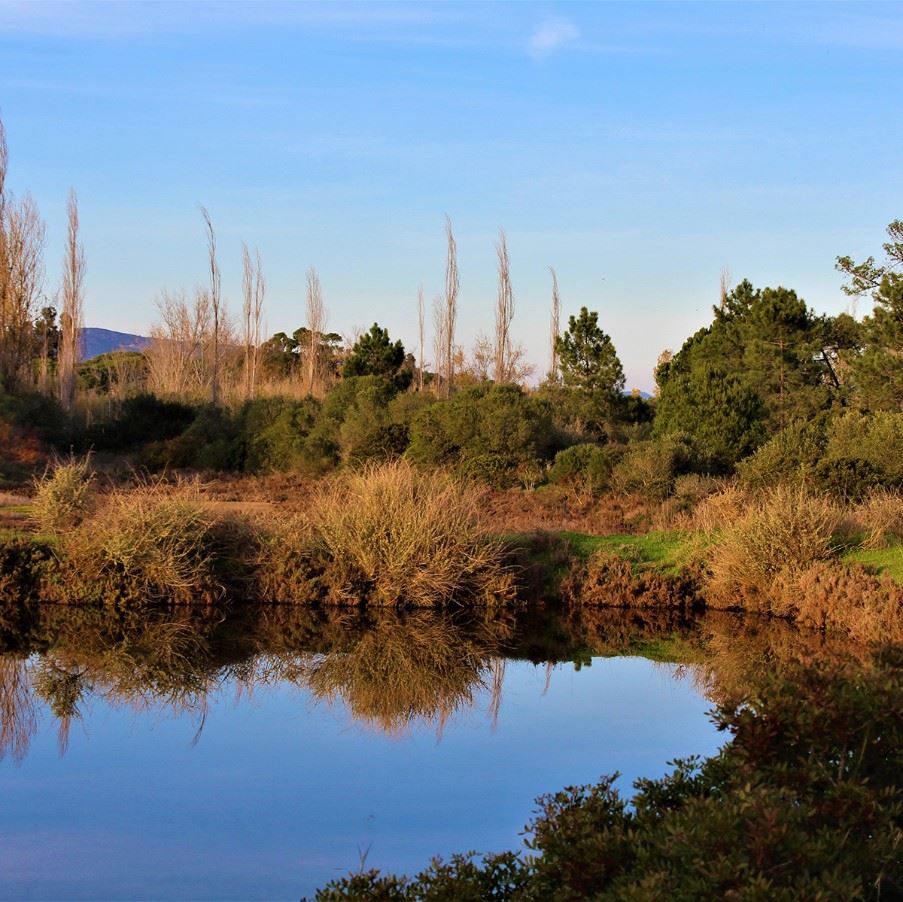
column 102, row 341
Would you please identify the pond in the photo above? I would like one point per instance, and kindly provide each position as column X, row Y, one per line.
column 259, row 754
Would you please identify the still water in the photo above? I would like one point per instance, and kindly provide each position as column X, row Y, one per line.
column 209, row 756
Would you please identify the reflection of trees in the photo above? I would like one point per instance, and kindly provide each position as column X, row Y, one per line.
column 18, row 718
column 391, row 669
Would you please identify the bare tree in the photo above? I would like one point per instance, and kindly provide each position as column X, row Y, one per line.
column 253, row 290
column 421, row 322
column 441, row 345
column 21, row 280
column 177, row 356
column 215, row 304
column 724, row 287
column 504, row 313
column 555, row 328
column 21, row 275
column 316, row 323
column 482, row 358
column 72, row 314
column 451, row 306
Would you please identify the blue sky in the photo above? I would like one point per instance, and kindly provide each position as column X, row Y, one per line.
column 637, row 148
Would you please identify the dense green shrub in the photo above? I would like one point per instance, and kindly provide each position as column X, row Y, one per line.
column 272, row 434
column 790, row 456
column 501, row 423
column 209, row 443
column 586, row 467
column 650, row 468
column 804, row 802
column 847, row 455
column 876, row 438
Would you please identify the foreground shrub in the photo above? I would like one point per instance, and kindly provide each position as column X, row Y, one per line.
column 63, row 495
column 843, row 598
column 159, row 542
column 787, row 529
column 409, row 537
column 291, row 562
column 804, row 802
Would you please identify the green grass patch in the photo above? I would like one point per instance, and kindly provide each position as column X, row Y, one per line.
column 884, row 560
column 666, row 551
column 15, row 509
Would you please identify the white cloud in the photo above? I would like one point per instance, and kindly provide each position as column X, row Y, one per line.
column 550, row 36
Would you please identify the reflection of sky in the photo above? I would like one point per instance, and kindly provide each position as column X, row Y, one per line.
column 280, row 795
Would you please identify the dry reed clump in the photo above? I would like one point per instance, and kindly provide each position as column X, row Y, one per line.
column 834, row 597
column 879, row 516
column 408, row 537
column 784, row 532
column 160, row 542
column 718, row 510
column 64, row 494
column 291, row 561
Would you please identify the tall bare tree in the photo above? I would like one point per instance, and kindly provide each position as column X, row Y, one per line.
column 440, row 344
column 504, row 313
column 451, row 306
column 421, row 323
column 215, row 304
column 73, row 302
column 21, row 276
column 253, row 291
column 555, row 327
column 316, row 323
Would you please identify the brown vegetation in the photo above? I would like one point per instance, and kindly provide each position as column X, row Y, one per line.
column 412, row 537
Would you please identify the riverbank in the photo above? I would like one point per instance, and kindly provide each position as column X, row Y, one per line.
column 396, row 536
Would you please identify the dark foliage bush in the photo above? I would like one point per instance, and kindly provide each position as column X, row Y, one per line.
column 586, row 467
column 209, row 443
column 804, row 802
column 40, row 415
column 501, row 423
column 651, row 468
column 273, row 433
column 138, row 421
column 847, row 454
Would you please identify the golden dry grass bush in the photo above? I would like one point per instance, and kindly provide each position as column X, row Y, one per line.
column 719, row 509
column 412, row 537
column 878, row 518
column 786, row 530
column 64, row 494
column 161, row 542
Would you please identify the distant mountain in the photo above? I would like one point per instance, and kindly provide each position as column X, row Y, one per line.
column 102, row 341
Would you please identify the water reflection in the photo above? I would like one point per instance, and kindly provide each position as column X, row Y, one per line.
column 391, row 670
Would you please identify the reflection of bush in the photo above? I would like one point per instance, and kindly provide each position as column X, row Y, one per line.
column 413, row 668
column 391, row 669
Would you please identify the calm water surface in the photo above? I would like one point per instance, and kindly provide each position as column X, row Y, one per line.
column 206, row 756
